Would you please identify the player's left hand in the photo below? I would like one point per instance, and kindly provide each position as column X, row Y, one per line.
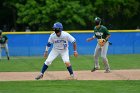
column 45, row 54
column 101, row 42
column 76, row 54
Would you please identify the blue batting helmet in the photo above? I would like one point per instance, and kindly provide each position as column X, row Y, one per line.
column 57, row 26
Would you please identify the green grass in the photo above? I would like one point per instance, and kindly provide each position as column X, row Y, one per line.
column 70, row 87
column 85, row 62
column 61, row 86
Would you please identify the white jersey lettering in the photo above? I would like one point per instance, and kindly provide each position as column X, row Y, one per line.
column 62, row 41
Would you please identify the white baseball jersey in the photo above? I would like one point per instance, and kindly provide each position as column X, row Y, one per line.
column 61, row 42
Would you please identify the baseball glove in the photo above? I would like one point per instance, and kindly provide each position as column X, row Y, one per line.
column 101, row 42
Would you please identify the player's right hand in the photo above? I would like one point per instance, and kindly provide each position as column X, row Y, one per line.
column 76, row 54
column 45, row 54
column 89, row 39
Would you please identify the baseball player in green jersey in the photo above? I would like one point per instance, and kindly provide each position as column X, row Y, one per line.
column 3, row 44
column 102, row 34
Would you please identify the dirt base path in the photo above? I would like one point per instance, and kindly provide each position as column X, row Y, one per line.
column 80, row 75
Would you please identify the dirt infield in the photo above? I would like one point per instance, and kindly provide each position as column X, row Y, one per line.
column 80, row 75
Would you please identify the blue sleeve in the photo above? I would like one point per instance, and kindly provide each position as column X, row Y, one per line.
column 49, row 44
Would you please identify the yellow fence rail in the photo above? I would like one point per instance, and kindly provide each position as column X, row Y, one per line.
column 73, row 31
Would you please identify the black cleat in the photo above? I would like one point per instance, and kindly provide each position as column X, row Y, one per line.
column 94, row 69
column 107, row 71
column 39, row 77
column 8, row 58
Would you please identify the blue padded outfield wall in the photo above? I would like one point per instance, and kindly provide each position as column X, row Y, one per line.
column 33, row 43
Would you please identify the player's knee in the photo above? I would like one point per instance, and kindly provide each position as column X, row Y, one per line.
column 47, row 63
column 103, row 58
column 67, row 64
column 95, row 57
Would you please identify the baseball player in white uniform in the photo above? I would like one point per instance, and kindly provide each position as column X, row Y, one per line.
column 59, row 39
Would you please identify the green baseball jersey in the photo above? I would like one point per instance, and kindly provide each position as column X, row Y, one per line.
column 3, row 39
column 101, row 32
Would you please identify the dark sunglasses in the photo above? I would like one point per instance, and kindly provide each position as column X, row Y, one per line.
column 57, row 30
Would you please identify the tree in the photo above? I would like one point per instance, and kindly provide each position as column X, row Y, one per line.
column 45, row 12
column 74, row 14
column 8, row 12
column 117, row 12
